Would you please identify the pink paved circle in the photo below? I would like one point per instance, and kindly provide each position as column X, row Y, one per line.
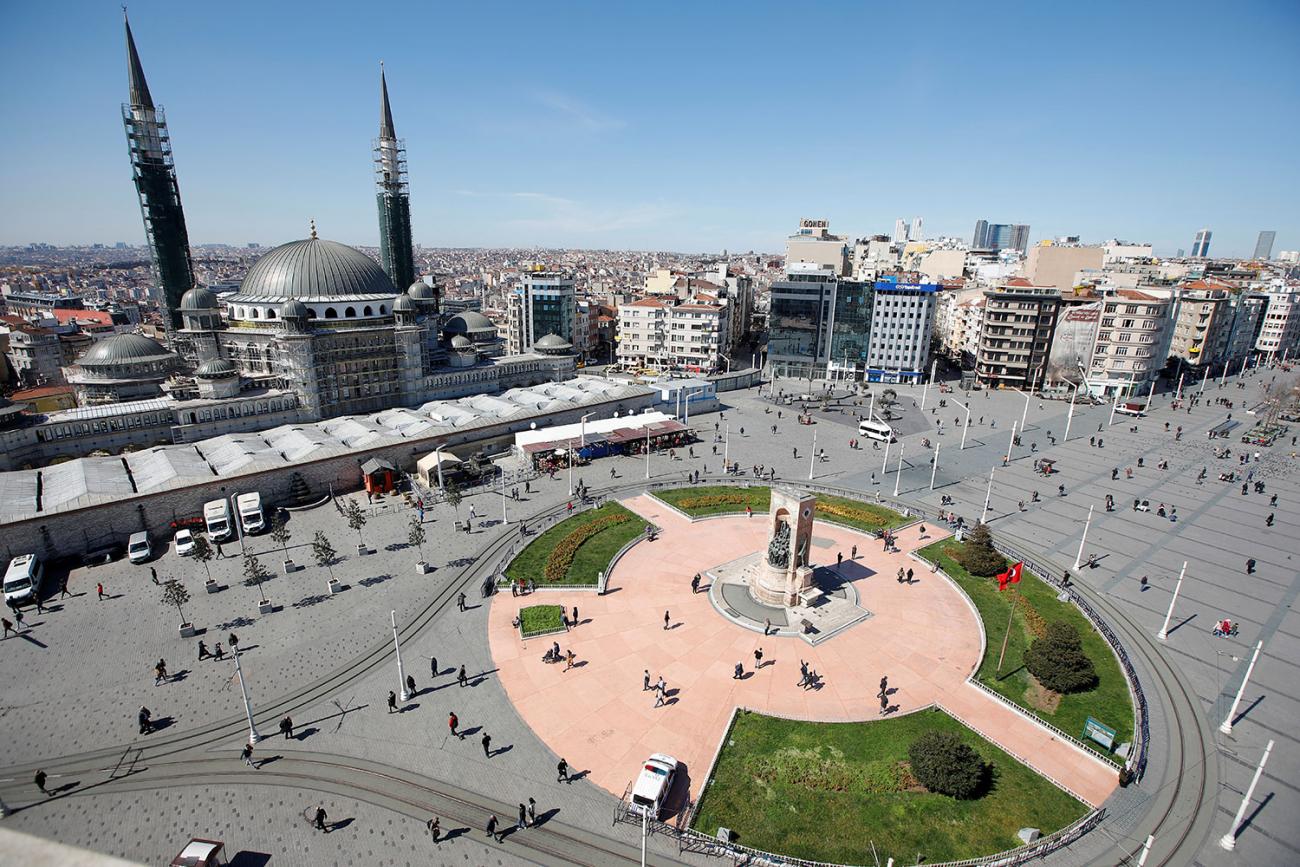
column 923, row 636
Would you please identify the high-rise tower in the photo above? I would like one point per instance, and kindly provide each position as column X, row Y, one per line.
column 1201, row 246
column 392, row 196
column 155, row 184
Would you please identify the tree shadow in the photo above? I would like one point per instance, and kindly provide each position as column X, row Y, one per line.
column 308, row 601
column 373, row 580
column 237, row 623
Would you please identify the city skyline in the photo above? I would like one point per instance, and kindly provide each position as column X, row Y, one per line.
column 505, row 151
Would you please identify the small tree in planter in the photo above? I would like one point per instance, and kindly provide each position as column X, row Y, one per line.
column 451, row 491
column 356, row 518
column 174, row 593
column 324, row 554
column 203, row 552
column 280, row 535
column 254, row 574
column 415, row 536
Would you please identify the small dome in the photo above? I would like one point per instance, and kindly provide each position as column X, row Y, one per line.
column 199, row 298
column 422, row 291
column 217, row 368
column 469, row 322
column 403, row 304
column 124, row 349
column 314, row 268
column 293, row 309
column 460, row 342
column 552, row 344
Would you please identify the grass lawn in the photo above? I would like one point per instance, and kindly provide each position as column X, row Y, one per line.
column 592, row 556
column 828, row 791
column 857, row 514
column 717, row 499
column 538, row 619
column 1108, row 702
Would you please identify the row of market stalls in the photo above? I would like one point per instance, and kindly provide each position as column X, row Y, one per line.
column 548, row 448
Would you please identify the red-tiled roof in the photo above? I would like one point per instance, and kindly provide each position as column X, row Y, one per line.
column 41, row 391
column 83, row 317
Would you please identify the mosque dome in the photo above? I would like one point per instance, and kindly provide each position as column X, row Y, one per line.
column 199, row 298
column 217, row 368
column 124, row 349
column 314, row 269
column 293, row 309
column 553, row 344
column 403, row 304
column 422, row 291
column 461, row 343
column 469, row 322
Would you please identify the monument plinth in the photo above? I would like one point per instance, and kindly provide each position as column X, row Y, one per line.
column 783, row 571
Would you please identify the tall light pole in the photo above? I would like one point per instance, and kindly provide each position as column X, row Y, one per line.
column 1204, row 376
column 1078, row 558
column 582, row 441
column 647, row 450
column 1164, row 629
column 1069, row 417
column 898, row 473
column 966, row 426
column 934, row 465
column 569, row 443
column 505, row 517
column 1114, row 406
column 1226, row 725
column 1178, row 394
column 253, row 735
column 401, row 676
column 1150, row 394
column 726, row 447
column 437, row 456
column 812, row 458
column 871, row 405
column 1024, row 415
column 1229, row 840
column 988, row 495
column 1006, row 459
column 925, row 393
column 235, row 521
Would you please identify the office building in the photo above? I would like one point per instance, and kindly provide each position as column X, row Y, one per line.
column 1264, row 245
column 392, row 196
column 1015, row 336
column 1279, row 327
column 979, row 240
column 157, row 189
column 814, row 244
column 544, row 303
column 901, row 322
column 900, row 231
column 1201, row 246
column 916, row 233
column 1000, row 236
column 799, row 315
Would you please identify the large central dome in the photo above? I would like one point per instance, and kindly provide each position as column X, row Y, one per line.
column 314, row 269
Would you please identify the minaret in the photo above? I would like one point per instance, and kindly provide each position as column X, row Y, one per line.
column 155, row 184
column 392, row 196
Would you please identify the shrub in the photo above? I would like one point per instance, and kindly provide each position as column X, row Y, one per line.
column 561, row 556
column 863, row 513
column 1058, row 661
column 946, row 764
column 713, row 500
column 976, row 553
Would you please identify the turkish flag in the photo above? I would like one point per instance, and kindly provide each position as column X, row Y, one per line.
column 1011, row 576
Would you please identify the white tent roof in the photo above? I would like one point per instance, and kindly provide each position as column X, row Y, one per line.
column 593, row 426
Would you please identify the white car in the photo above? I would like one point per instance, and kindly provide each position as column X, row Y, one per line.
column 653, row 785
column 184, row 543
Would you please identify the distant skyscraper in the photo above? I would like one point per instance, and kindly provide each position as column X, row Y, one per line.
column 393, row 197
column 1264, row 246
column 1020, row 237
column 981, row 238
column 1201, row 246
column 900, row 231
column 156, row 187
column 917, row 233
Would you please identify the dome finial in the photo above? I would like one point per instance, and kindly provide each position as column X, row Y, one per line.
column 313, row 230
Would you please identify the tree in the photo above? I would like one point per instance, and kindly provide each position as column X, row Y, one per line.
column 1058, row 661
column 355, row 516
column 280, row 533
column 255, row 573
column 946, row 764
column 978, row 555
column 203, row 553
column 451, row 491
column 415, row 536
column 324, row 552
column 888, row 399
column 174, row 593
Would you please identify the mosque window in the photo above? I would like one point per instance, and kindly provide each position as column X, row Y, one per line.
column 382, row 309
column 350, row 313
column 270, row 313
column 311, row 314
column 368, row 311
column 331, row 313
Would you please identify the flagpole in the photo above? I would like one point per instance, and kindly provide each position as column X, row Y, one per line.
column 1007, row 636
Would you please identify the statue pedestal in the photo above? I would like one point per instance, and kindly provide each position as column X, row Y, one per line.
column 773, row 585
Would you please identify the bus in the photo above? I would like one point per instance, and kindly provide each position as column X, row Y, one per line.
column 876, row 430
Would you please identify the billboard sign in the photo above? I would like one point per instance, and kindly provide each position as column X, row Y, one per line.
column 1102, row 734
column 1076, row 333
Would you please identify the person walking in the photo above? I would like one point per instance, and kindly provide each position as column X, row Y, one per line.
column 435, row 828
column 40, row 783
column 461, row 678
column 568, row 659
column 562, row 771
column 453, row 722
column 695, row 584
column 661, row 693
column 853, row 552
column 318, row 821
column 667, row 620
column 909, row 575
column 1250, row 566
column 767, row 625
column 433, row 666
column 491, row 828
column 758, row 658
column 218, row 652
column 143, row 717
column 487, row 745
column 901, row 573
column 884, row 687
column 99, row 590
column 460, row 601
column 645, row 681
column 523, row 818
column 221, row 552
column 884, row 704
column 575, row 615
column 1143, row 584
column 532, row 812
column 739, row 672
column 839, row 559
column 204, row 653
column 392, row 702
column 247, row 755
column 63, row 586
column 18, row 616
column 410, row 685
column 286, row 727
column 9, row 627
column 160, row 672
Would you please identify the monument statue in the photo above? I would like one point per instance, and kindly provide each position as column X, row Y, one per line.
column 778, row 549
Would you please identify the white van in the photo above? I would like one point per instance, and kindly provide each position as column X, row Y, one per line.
column 250, row 512
column 653, row 785
column 137, row 548
column 216, row 516
column 876, row 430
column 23, row 579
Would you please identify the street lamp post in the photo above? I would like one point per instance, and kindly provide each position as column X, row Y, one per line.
column 1150, row 394
column 1204, row 376
column 437, row 456
column 925, row 393
column 988, row 495
column 401, row 677
column 1229, row 840
column 1006, row 459
column 647, row 450
column 505, row 516
column 812, row 458
column 1164, row 629
column 1024, row 415
column 965, row 426
column 1114, row 406
column 235, row 522
column 726, row 447
column 884, row 465
column 1178, row 394
column 1078, row 558
column 934, row 465
column 1069, row 417
column 898, row 473
column 253, row 735
column 1226, row 725
column 569, row 443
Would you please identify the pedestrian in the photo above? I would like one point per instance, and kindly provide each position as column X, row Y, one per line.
column 767, row 625
column 221, row 553
column 884, row 704
column 695, row 583
column 18, row 616
column 758, row 658
column 487, row 745
column 160, row 672
column 410, row 685
column 884, row 687
column 661, row 693
column 514, row 588
column 40, row 782
column 153, row 573
column 286, row 727
column 803, row 674
column 909, row 575
column 453, row 722
column 433, row 666
column 63, row 587
column 435, row 827
column 645, row 681
column 562, row 771
column 901, row 573
column 739, row 672
column 143, row 717
column 392, row 701
column 575, row 615
column 839, row 559
column 99, row 589
column 568, row 659
column 1250, row 566
column 460, row 601
column 204, row 653
column 491, row 828
column 532, row 812
column 523, row 818
column 247, row 755
column 667, row 620
column 461, row 678
column 853, row 553
column 1143, row 583
column 9, row 627
column 218, row 652
column 319, row 819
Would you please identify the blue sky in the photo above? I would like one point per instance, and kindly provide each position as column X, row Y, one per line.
column 691, row 126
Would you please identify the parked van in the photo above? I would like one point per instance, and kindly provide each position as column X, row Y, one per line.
column 876, row 430
column 653, row 785
column 216, row 517
column 23, row 579
column 137, row 548
column 250, row 512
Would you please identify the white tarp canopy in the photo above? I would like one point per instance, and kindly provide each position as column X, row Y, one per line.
column 593, row 426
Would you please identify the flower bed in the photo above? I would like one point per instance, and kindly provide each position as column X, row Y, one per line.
column 576, row 550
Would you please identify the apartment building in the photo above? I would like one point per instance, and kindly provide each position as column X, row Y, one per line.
column 1279, row 328
column 544, row 303
column 1132, row 340
column 813, row 244
column 1202, row 330
column 689, row 336
column 902, row 320
column 959, row 319
column 1015, row 335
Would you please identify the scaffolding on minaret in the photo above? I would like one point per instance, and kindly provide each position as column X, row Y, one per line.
column 392, row 197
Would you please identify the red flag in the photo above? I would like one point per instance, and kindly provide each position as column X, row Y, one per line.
column 1011, row 576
